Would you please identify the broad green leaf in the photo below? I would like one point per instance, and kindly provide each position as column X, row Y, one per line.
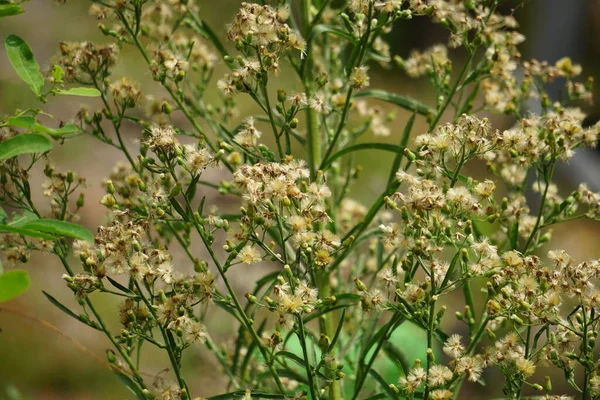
column 61, row 228
column 19, row 220
column 22, row 121
column 362, row 146
column 8, row 10
column 3, row 216
column 22, row 59
column 25, row 143
column 66, row 129
column 400, row 100
column 12, row 284
column 25, row 232
column 80, row 91
column 29, row 122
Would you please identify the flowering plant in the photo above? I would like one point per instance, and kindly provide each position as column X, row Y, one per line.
column 343, row 276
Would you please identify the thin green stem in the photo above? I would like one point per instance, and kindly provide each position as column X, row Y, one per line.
column 448, row 100
column 169, row 342
column 309, row 370
column 61, row 253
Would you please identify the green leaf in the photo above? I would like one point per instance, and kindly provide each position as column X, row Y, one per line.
column 378, row 396
column 80, row 91
column 293, row 357
column 403, row 143
column 70, row 313
column 400, row 100
column 60, row 306
column 3, row 216
column 25, row 232
column 58, row 73
column 337, row 332
column 61, row 228
column 396, row 355
column 8, row 10
column 22, row 59
column 25, row 143
column 29, row 122
column 317, row 30
column 363, row 146
column 19, row 220
column 384, row 385
column 131, row 385
column 255, row 394
column 12, row 284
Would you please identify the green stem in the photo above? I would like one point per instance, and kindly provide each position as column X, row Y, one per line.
column 452, row 91
column 309, row 371
column 169, row 343
column 61, row 253
column 313, row 135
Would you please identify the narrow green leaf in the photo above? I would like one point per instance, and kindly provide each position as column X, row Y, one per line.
column 131, row 385
column 293, row 357
column 396, row 355
column 22, row 59
column 322, row 28
column 12, row 284
column 403, row 143
column 319, row 313
column 384, row 385
column 400, row 100
column 118, row 285
column 25, row 232
column 8, row 10
column 255, row 394
column 61, row 228
column 363, row 146
column 25, row 143
column 3, row 216
column 80, row 91
column 377, row 396
column 336, row 336
column 60, row 306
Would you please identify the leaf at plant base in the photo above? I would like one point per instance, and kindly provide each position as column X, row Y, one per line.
column 80, row 91
column 29, row 122
column 22, row 59
column 3, row 216
column 25, row 143
column 12, row 284
column 60, row 228
column 8, row 10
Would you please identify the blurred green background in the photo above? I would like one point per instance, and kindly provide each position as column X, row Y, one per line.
column 47, row 362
